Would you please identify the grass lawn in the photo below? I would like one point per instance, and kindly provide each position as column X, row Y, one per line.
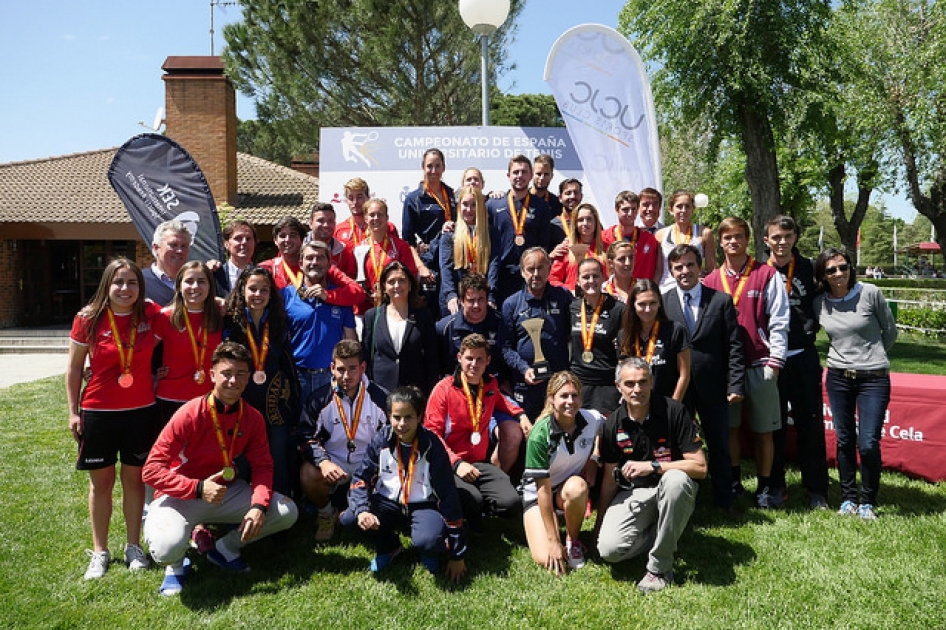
column 788, row 569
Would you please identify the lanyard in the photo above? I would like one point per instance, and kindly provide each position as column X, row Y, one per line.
column 677, row 236
column 471, row 250
column 357, row 234
column 378, row 259
column 406, row 473
column 518, row 218
column 259, row 352
column 124, row 360
column 566, row 224
column 444, row 206
column 476, row 411
column 651, row 343
column 588, row 332
column 351, row 426
column 199, row 351
column 294, row 278
column 227, row 453
column 742, row 281
column 790, row 276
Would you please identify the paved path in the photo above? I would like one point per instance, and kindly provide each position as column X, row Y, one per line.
column 23, row 368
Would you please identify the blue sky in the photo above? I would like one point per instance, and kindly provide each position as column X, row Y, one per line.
column 78, row 76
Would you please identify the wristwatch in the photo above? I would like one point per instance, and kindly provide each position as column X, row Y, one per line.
column 656, row 466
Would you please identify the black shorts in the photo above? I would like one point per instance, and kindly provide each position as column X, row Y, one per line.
column 106, row 434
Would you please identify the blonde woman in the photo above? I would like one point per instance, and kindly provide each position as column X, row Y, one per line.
column 469, row 248
column 558, row 473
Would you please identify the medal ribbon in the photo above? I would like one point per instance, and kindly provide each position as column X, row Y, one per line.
column 618, row 235
column 790, row 276
column 199, row 351
column 518, row 219
column 294, row 278
column 406, row 473
column 227, row 453
column 259, row 356
column 742, row 281
column 357, row 234
column 124, row 360
column 651, row 343
column 588, row 332
column 476, row 411
column 677, row 236
column 376, row 260
column 566, row 225
column 351, row 427
column 443, row 193
column 471, row 251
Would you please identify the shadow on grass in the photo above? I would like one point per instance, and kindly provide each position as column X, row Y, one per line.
column 910, row 501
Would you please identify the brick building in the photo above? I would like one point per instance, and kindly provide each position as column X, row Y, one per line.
column 60, row 220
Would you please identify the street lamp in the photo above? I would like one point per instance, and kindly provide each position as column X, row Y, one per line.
column 484, row 17
column 700, row 200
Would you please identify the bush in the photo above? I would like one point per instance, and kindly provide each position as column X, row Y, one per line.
column 907, row 283
column 931, row 320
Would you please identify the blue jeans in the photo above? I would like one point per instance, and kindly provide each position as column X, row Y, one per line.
column 868, row 398
column 310, row 381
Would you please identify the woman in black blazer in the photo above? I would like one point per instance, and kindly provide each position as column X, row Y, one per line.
column 399, row 337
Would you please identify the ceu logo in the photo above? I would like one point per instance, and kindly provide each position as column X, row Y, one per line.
column 336, row 312
column 609, row 107
column 584, row 443
column 191, row 221
column 358, row 147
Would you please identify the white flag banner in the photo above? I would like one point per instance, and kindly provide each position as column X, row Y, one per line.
column 601, row 88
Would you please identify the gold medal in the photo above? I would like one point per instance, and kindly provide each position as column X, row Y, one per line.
column 259, row 377
column 126, row 380
column 475, row 439
column 199, row 377
column 228, row 473
column 587, row 356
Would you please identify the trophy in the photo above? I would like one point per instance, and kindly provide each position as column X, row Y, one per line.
column 579, row 250
column 540, row 367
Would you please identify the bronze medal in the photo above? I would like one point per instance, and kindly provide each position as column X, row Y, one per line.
column 475, row 439
column 351, row 446
column 587, row 356
column 199, row 377
column 520, row 240
column 228, row 473
column 259, row 377
column 126, row 380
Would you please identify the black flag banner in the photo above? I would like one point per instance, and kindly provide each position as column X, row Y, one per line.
column 158, row 181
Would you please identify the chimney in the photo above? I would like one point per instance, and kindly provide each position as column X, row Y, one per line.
column 200, row 115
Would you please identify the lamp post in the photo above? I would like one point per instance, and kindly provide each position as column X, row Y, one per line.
column 700, row 200
column 484, row 17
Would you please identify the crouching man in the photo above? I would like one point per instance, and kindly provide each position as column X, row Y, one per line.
column 191, row 469
column 652, row 455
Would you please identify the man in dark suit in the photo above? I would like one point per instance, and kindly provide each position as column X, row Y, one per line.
column 717, row 368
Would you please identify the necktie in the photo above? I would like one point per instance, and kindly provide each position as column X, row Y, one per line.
column 688, row 312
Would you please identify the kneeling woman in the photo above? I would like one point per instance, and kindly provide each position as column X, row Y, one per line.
column 557, row 473
column 405, row 479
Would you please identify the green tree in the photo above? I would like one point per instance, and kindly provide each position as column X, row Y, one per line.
column 524, row 110
column 736, row 63
column 358, row 63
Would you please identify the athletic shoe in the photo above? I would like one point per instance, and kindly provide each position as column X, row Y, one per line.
column 765, row 500
column 818, row 502
column 575, row 551
column 778, row 497
column 174, row 580
column 738, row 489
column 431, row 563
column 202, row 540
column 98, row 564
column 866, row 512
column 654, row 582
column 135, row 558
column 326, row 527
column 237, row 565
column 382, row 560
column 848, row 508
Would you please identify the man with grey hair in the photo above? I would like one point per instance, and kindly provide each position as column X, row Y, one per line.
column 170, row 246
column 652, row 455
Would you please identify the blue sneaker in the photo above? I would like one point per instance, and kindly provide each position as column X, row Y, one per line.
column 382, row 560
column 237, row 565
column 173, row 582
column 866, row 512
column 848, row 508
column 431, row 563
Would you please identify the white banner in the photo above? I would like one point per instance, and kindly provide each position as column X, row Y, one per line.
column 389, row 159
column 601, row 88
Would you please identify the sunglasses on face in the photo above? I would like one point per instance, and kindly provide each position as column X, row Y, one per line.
column 830, row 271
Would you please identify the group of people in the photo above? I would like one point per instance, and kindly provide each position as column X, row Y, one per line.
column 508, row 357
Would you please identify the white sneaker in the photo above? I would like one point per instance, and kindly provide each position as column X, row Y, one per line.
column 98, row 564
column 135, row 558
column 326, row 524
column 576, row 554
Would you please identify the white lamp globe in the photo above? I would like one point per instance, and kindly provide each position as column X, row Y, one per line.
column 484, row 16
column 700, row 200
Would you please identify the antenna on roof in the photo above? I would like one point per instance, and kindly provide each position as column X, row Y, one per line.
column 216, row 3
column 158, row 121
